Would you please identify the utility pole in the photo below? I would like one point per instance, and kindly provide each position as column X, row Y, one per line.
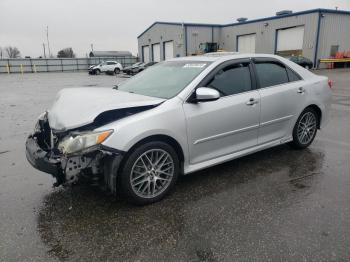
column 92, row 49
column 44, row 50
column 48, row 43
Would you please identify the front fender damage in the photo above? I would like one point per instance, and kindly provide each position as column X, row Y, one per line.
column 99, row 164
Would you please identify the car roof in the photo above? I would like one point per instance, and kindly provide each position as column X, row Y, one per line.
column 222, row 58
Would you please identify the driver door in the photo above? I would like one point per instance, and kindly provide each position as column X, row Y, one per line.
column 229, row 124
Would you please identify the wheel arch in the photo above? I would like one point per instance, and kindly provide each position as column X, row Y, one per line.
column 319, row 113
column 162, row 138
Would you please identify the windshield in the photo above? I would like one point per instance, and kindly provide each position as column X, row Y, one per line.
column 164, row 80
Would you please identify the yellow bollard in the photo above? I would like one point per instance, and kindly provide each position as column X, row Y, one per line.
column 21, row 69
column 34, row 67
column 8, row 68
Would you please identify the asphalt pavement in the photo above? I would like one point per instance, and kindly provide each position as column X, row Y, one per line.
column 276, row 205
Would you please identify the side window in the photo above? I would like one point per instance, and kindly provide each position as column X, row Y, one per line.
column 271, row 73
column 232, row 79
column 292, row 76
column 110, row 63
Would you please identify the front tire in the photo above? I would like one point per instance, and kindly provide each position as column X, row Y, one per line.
column 149, row 173
column 116, row 70
column 305, row 129
column 97, row 71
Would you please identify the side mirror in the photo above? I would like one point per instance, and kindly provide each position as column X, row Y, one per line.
column 205, row 94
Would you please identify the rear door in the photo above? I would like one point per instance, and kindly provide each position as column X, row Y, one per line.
column 282, row 97
column 229, row 124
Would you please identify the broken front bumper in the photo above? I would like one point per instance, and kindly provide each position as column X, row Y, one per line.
column 100, row 165
column 43, row 160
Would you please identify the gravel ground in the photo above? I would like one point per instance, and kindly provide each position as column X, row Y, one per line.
column 275, row 205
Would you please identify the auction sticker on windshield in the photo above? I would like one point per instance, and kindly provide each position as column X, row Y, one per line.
column 194, row 65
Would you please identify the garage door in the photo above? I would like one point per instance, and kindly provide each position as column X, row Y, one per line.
column 290, row 41
column 145, row 54
column 246, row 43
column 168, row 50
column 156, row 52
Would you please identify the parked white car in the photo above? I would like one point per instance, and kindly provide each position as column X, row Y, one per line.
column 177, row 117
column 107, row 66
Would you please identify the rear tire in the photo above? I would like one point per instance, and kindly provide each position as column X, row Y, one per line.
column 149, row 173
column 305, row 129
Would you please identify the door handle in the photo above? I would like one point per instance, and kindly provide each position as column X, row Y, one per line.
column 251, row 102
column 301, row 90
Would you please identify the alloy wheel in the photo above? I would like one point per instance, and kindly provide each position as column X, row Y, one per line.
column 152, row 173
column 306, row 128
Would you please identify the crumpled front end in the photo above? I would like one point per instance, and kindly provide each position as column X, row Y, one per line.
column 97, row 164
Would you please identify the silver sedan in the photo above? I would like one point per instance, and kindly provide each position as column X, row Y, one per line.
column 175, row 118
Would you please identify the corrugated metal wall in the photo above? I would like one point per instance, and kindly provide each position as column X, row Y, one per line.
column 197, row 35
column 217, row 35
column 334, row 30
column 226, row 36
column 161, row 33
column 266, row 33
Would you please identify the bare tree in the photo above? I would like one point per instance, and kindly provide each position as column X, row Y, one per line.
column 66, row 53
column 12, row 52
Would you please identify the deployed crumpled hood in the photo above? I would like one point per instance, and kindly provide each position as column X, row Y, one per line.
column 76, row 107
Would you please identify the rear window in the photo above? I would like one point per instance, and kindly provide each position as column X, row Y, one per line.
column 292, row 75
column 271, row 74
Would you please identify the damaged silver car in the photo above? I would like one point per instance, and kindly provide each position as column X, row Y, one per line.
column 177, row 117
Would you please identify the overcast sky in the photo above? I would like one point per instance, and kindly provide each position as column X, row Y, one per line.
column 115, row 24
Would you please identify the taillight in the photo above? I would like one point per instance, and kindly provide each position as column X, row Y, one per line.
column 330, row 83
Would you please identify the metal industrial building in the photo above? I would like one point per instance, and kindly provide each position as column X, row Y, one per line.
column 315, row 34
